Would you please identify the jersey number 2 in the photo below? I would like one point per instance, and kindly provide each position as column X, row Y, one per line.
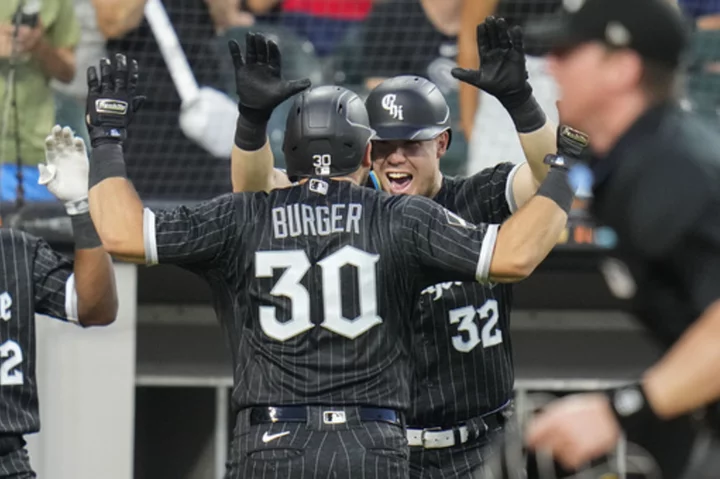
column 489, row 336
column 296, row 265
column 11, row 358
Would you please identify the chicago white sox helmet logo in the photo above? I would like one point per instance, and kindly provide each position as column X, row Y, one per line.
column 388, row 104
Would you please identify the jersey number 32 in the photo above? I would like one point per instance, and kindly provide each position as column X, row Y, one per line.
column 296, row 265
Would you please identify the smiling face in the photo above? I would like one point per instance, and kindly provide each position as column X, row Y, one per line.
column 410, row 167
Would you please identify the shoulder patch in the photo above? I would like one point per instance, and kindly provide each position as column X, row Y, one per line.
column 455, row 220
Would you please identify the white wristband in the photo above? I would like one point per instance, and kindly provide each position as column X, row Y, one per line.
column 77, row 207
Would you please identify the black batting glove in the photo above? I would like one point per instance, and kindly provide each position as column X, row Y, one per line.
column 111, row 100
column 502, row 71
column 260, row 87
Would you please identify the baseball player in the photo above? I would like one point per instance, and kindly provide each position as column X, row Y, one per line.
column 315, row 284
column 37, row 280
column 655, row 178
column 463, row 353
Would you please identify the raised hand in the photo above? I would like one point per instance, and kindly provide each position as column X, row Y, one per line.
column 111, row 101
column 258, row 78
column 65, row 171
column 502, row 71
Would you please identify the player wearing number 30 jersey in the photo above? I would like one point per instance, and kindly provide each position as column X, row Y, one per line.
column 314, row 284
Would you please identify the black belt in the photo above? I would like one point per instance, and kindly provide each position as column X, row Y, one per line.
column 331, row 415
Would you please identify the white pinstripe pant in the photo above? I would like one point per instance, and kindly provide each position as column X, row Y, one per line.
column 314, row 450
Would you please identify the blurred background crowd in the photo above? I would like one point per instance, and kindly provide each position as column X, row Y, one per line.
column 354, row 43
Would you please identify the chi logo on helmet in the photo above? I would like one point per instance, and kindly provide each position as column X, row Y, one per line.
column 113, row 107
column 389, row 105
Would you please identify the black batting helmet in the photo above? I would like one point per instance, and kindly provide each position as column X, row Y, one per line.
column 408, row 108
column 326, row 134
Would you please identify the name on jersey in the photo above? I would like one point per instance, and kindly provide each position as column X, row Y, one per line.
column 438, row 289
column 5, row 305
column 295, row 220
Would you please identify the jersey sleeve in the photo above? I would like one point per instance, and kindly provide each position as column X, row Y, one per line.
column 446, row 247
column 488, row 195
column 54, row 281
column 199, row 237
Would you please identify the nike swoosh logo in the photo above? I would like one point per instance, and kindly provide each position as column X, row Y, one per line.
column 271, row 437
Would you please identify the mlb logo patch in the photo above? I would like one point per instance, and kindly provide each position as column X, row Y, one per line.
column 319, row 186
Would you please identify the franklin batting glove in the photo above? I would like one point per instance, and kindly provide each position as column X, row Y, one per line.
column 111, row 101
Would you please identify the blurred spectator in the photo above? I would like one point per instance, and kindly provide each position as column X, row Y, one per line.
column 486, row 124
column 44, row 52
column 323, row 22
column 70, row 97
column 705, row 12
column 98, row 20
column 412, row 37
column 162, row 162
column 226, row 14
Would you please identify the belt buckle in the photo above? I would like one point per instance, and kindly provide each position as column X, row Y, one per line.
column 272, row 414
column 422, row 435
column 334, row 417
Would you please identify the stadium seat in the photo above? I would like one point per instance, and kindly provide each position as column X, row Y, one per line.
column 298, row 61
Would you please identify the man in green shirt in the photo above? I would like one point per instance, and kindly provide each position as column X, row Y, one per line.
column 44, row 52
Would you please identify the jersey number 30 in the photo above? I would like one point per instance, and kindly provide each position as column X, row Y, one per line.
column 296, row 265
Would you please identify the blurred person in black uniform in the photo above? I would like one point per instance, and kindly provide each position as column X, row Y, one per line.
column 655, row 176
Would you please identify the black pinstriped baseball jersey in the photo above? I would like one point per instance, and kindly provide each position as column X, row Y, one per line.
column 35, row 279
column 316, row 284
column 462, row 346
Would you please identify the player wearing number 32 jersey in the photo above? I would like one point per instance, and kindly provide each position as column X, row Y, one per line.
column 314, row 284
column 37, row 280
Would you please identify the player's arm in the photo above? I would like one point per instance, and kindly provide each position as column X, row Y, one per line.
column 688, row 376
column 474, row 12
column 260, row 89
column 502, row 253
column 83, row 291
column 129, row 231
column 502, row 73
column 196, row 236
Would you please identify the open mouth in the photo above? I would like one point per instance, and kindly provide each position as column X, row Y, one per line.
column 399, row 181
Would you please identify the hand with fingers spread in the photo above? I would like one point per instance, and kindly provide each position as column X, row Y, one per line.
column 111, row 100
column 503, row 74
column 502, row 71
column 65, row 171
column 260, row 87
